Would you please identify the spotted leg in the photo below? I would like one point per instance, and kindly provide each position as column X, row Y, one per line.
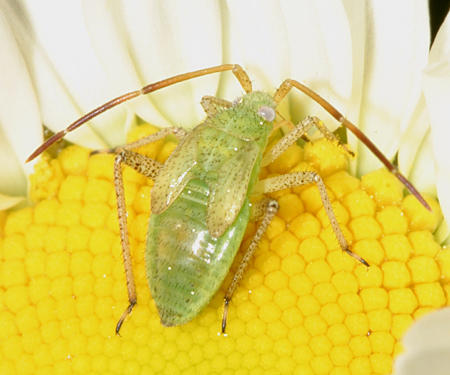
column 149, row 168
column 289, row 180
column 300, row 130
column 286, row 87
column 266, row 209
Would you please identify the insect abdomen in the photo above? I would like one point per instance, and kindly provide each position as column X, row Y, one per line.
column 185, row 264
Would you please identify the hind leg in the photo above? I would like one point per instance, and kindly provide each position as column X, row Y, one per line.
column 266, row 209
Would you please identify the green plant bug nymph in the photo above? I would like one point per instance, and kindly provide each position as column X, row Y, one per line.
column 201, row 195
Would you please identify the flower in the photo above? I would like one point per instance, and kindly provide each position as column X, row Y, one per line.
column 347, row 53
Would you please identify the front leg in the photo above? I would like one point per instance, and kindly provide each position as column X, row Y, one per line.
column 180, row 133
column 299, row 131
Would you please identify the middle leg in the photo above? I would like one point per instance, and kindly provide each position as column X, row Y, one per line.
column 288, row 84
column 285, row 181
column 180, row 133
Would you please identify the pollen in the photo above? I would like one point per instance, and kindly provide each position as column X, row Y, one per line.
column 303, row 306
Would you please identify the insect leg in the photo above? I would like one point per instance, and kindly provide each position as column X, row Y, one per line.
column 287, row 85
column 180, row 133
column 149, row 168
column 144, row 165
column 122, row 217
column 283, row 144
column 211, row 105
column 270, row 208
column 289, row 180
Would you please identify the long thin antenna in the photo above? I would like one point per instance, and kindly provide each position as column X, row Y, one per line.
column 237, row 70
column 285, row 88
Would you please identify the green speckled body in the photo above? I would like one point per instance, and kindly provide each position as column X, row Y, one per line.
column 200, row 207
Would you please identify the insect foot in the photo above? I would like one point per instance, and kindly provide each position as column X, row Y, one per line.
column 124, row 316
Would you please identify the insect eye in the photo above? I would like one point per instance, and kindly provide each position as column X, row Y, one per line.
column 267, row 113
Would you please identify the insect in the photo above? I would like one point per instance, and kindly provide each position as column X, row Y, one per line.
column 200, row 200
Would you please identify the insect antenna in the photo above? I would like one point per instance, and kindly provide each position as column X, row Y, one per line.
column 236, row 69
column 286, row 86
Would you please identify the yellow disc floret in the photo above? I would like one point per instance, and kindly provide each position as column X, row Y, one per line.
column 303, row 307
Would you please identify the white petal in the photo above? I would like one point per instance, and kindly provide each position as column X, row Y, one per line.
column 397, row 41
column 20, row 125
column 321, row 54
column 423, row 175
column 415, row 155
column 67, row 75
column 162, row 39
column 109, row 39
column 427, row 346
column 174, row 37
column 303, row 40
column 437, row 94
column 418, row 127
column 256, row 39
column 356, row 15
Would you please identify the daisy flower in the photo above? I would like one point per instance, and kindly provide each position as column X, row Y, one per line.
column 303, row 306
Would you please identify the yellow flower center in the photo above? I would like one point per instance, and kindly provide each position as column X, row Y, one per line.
column 303, row 307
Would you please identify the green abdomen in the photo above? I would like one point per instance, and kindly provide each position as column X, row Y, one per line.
column 185, row 265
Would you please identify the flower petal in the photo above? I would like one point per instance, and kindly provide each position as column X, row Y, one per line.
column 437, row 92
column 423, row 175
column 66, row 73
column 397, row 40
column 427, row 346
column 415, row 155
column 321, row 54
column 303, row 40
column 256, row 39
column 20, row 125
column 110, row 43
column 356, row 15
column 158, row 40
